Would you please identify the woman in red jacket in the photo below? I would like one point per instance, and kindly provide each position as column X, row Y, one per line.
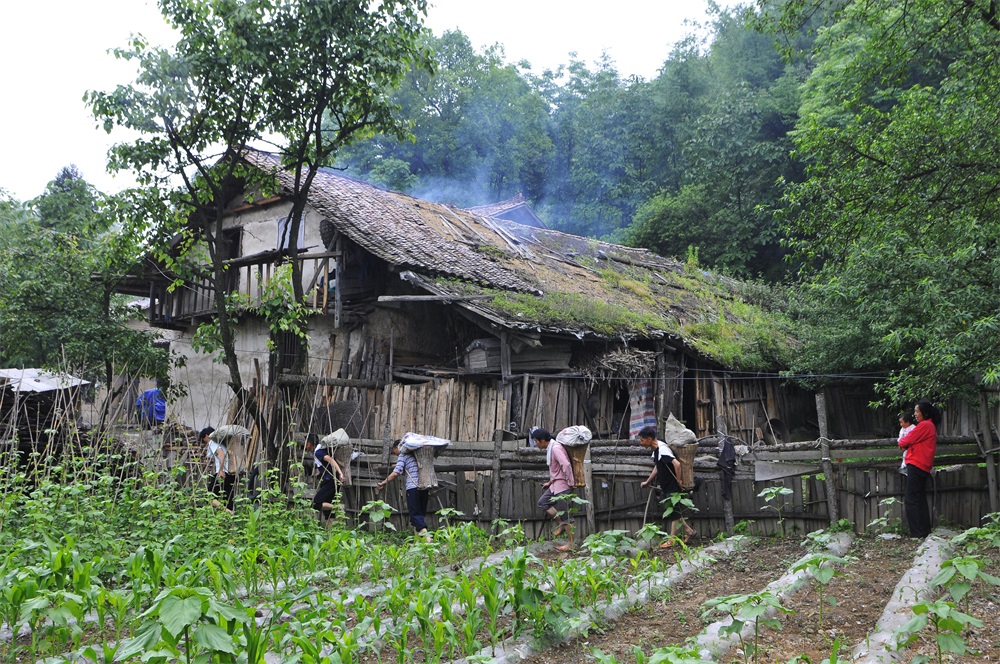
column 920, row 445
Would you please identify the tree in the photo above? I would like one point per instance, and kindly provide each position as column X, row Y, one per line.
column 480, row 130
column 57, row 264
column 310, row 74
column 900, row 130
column 727, row 110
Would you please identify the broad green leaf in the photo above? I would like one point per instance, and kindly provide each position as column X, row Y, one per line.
column 176, row 613
column 214, row 638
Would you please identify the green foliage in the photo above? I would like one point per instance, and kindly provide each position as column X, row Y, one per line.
column 313, row 74
column 59, row 264
column 664, row 655
column 774, row 496
column 899, row 128
column 691, row 157
column 278, row 306
column 882, row 523
column 822, row 568
column 948, row 624
column 478, row 130
column 752, row 609
column 378, row 512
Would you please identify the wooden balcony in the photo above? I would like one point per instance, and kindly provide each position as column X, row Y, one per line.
column 250, row 276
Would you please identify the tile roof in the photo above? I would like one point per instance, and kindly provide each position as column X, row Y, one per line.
column 575, row 280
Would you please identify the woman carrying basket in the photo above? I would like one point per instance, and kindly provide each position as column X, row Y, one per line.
column 666, row 469
column 416, row 498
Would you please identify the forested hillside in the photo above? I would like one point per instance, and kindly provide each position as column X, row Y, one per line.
column 688, row 161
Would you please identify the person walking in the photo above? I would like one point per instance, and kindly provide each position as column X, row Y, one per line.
column 416, row 498
column 223, row 482
column 920, row 445
column 666, row 469
column 330, row 474
column 554, row 499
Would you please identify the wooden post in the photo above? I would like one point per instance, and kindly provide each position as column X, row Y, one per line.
column 338, row 269
column 497, row 449
column 505, row 375
column 722, row 428
column 588, row 493
column 659, row 389
column 989, row 456
column 824, row 446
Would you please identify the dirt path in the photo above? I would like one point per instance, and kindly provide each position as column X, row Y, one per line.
column 860, row 594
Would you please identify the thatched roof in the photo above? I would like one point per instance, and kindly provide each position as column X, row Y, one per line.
column 544, row 280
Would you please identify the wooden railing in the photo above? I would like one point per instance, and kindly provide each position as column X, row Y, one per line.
column 250, row 276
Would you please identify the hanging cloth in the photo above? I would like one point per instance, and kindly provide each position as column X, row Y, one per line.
column 643, row 411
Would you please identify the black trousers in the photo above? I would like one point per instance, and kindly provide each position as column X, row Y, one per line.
column 224, row 488
column 918, row 515
column 416, row 503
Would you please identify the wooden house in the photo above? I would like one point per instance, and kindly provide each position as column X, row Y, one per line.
column 439, row 320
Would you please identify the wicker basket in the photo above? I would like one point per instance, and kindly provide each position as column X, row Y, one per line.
column 342, row 455
column 426, row 476
column 577, row 455
column 685, row 455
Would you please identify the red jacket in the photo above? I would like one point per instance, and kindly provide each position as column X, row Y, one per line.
column 920, row 445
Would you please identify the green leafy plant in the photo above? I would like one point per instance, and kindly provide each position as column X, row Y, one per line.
column 379, row 513
column 665, row 655
column 186, row 624
column 958, row 575
column 774, row 497
column 882, row 523
column 948, row 623
column 750, row 609
column 822, row 568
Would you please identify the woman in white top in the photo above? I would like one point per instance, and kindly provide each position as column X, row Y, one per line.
column 223, row 482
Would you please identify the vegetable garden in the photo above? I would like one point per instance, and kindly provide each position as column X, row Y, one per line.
column 129, row 565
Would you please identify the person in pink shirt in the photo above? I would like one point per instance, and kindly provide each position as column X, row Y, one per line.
column 559, row 487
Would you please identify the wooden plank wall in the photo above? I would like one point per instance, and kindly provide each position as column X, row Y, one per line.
column 445, row 408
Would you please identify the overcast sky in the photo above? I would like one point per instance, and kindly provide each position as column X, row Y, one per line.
column 54, row 51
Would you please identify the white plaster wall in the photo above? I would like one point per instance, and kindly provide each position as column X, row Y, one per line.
column 207, row 382
column 260, row 233
column 209, row 396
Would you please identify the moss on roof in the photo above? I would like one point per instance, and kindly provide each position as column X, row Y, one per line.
column 553, row 281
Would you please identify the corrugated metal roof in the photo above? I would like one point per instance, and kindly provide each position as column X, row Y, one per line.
column 38, row 380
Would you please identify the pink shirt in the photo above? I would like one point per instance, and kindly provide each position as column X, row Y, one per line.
column 560, row 469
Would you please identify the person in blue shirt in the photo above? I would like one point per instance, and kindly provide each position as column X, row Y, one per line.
column 330, row 475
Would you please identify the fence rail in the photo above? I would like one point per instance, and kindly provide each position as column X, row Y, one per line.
column 866, row 473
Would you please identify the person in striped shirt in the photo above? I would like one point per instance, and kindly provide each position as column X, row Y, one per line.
column 416, row 499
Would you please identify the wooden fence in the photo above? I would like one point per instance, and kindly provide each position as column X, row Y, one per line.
column 866, row 473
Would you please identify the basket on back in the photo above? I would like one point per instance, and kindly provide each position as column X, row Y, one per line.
column 576, row 440
column 338, row 444
column 424, row 449
column 684, row 445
